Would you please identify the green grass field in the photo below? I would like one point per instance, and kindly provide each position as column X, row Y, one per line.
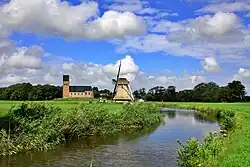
column 237, row 153
column 64, row 105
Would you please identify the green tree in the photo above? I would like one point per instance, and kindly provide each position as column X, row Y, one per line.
column 206, row 92
column 238, row 90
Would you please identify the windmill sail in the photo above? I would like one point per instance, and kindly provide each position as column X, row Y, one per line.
column 117, row 78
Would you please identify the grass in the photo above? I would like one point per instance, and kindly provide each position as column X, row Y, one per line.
column 30, row 127
column 236, row 153
column 64, row 105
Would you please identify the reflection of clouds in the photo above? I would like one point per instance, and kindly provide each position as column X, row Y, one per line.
column 193, row 121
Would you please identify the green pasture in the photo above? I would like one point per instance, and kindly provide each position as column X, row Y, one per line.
column 64, row 105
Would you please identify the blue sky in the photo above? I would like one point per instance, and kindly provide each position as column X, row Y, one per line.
column 174, row 42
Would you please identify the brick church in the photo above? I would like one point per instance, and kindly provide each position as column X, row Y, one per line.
column 76, row 91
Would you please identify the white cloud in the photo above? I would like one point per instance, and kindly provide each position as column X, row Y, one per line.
column 19, row 58
column 219, row 27
column 148, row 11
column 139, row 7
column 221, row 34
column 58, row 18
column 226, row 7
column 98, row 75
column 128, row 68
column 210, row 65
column 243, row 75
column 24, row 58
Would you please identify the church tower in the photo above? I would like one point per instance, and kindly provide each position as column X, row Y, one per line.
column 65, row 86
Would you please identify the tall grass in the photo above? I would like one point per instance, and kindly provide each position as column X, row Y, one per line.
column 41, row 126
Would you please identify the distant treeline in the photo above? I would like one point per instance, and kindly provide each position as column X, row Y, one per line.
column 203, row 92
column 27, row 91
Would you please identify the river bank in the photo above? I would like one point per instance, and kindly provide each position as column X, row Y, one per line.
column 221, row 150
column 151, row 146
column 33, row 127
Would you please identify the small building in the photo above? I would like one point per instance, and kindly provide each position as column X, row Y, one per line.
column 76, row 91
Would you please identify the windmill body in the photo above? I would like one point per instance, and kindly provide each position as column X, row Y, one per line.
column 122, row 91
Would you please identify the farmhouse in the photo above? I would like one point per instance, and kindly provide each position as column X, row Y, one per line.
column 76, row 91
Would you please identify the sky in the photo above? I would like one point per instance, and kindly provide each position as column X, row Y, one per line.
column 173, row 42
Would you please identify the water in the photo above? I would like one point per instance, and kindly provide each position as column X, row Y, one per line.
column 155, row 146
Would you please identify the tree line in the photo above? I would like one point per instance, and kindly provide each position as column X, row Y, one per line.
column 29, row 92
column 204, row 92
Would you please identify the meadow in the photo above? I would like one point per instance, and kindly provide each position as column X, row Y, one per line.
column 236, row 147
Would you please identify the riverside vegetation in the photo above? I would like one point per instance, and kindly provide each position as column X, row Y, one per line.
column 211, row 150
column 41, row 126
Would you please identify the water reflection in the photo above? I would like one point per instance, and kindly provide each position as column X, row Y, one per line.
column 148, row 147
column 199, row 117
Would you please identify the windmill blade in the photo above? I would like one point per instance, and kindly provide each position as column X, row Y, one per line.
column 117, row 79
column 114, row 81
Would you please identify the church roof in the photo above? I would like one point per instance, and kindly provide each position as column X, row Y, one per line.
column 80, row 88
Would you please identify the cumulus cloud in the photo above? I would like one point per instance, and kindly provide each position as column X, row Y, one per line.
column 19, row 58
column 24, row 58
column 221, row 34
column 243, row 75
column 221, row 27
column 210, row 64
column 127, row 66
column 59, row 18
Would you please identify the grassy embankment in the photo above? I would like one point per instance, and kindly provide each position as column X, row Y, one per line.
column 41, row 126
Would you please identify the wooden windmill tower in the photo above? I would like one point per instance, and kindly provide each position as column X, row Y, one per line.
column 122, row 91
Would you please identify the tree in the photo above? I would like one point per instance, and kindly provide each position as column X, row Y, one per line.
column 96, row 92
column 136, row 94
column 206, row 92
column 247, row 98
column 156, row 94
column 95, row 89
column 238, row 91
column 139, row 94
column 225, row 94
column 170, row 94
column 185, row 96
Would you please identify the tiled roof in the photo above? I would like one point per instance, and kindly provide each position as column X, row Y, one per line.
column 80, row 88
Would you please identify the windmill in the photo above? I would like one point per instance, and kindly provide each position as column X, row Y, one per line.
column 122, row 90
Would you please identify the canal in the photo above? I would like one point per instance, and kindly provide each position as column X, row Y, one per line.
column 155, row 146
